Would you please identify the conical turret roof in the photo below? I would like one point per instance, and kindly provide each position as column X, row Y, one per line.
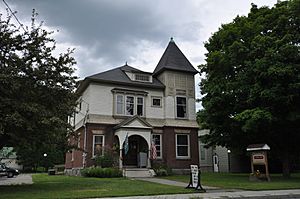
column 174, row 59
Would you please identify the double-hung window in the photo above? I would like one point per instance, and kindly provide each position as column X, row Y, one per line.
column 181, row 107
column 129, row 105
column 140, row 106
column 202, row 152
column 158, row 144
column 182, row 146
column 120, row 104
column 98, row 145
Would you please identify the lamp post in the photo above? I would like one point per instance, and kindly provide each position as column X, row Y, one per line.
column 45, row 161
column 228, row 151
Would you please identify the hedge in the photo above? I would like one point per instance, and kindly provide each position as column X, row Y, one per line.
column 101, row 172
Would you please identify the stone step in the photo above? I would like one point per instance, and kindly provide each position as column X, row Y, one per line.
column 138, row 173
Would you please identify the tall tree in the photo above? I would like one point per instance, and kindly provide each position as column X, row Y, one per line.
column 252, row 84
column 36, row 91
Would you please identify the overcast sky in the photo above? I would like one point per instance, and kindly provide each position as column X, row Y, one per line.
column 107, row 33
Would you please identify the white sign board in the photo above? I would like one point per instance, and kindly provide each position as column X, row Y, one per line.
column 195, row 172
column 258, row 159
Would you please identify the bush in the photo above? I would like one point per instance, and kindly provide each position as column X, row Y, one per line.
column 161, row 172
column 108, row 159
column 105, row 161
column 161, row 169
column 101, row 172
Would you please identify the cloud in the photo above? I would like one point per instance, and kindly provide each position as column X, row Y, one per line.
column 108, row 33
column 110, row 29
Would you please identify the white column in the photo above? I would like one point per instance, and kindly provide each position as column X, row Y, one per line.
column 120, row 160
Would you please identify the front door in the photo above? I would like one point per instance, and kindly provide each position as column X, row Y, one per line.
column 136, row 144
column 131, row 157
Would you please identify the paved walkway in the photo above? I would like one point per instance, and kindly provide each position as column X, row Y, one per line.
column 20, row 179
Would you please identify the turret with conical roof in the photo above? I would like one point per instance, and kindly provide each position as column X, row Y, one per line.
column 174, row 59
column 177, row 74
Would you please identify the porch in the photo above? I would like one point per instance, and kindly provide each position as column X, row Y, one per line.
column 133, row 136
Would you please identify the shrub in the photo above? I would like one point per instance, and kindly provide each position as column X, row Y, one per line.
column 161, row 172
column 101, row 172
column 161, row 169
column 108, row 159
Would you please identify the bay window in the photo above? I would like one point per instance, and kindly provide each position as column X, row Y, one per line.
column 129, row 105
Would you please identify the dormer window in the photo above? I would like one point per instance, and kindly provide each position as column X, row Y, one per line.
column 142, row 77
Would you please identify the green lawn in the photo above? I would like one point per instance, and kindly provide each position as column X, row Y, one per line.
column 241, row 181
column 78, row 187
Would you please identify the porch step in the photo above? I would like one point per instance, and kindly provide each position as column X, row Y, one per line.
column 138, row 173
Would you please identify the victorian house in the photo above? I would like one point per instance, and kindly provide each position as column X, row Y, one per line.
column 129, row 105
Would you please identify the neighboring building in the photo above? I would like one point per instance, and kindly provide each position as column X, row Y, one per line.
column 145, row 107
column 213, row 159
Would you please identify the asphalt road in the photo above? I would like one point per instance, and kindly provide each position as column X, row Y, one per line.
column 20, row 179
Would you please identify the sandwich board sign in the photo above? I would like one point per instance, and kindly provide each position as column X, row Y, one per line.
column 195, row 178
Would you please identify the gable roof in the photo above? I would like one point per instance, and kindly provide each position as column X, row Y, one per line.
column 258, row 147
column 132, row 119
column 118, row 76
column 174, row 59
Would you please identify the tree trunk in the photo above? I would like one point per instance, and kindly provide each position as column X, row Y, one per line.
column 286, row 167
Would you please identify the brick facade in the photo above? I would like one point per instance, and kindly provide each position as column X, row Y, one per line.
column 168, row 146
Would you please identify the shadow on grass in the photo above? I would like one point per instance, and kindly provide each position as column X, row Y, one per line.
column 79, row 187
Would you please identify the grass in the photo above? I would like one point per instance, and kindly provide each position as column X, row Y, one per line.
column 241, row 181
column 78, row 187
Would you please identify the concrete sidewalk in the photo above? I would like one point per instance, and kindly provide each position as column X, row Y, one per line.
column 215, row 192
column 236, row 194
column 171, row 182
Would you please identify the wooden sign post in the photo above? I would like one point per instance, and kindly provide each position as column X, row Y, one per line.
column 259, row 162
column 195, row 179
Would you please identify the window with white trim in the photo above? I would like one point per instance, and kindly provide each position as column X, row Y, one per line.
column 158, row 144
column 98, row 145
column 156, row 101
column 140, row 106
column 142, row 77
column 181, row 110
column 202, row 152
column 182, row 146
column 120, row 104
column 129, row 105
